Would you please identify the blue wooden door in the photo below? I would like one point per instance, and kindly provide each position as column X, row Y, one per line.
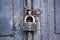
column 57, row 15
column 5, row 17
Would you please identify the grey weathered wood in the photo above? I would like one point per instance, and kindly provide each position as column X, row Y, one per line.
column 45, row 21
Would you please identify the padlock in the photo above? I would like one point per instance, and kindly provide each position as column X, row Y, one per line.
column 29, row 23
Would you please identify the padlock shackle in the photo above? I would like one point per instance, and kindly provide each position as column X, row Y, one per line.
column 25, row 20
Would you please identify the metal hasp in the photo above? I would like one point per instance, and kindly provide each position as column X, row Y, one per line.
column 29, row 19
column 29, row 25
